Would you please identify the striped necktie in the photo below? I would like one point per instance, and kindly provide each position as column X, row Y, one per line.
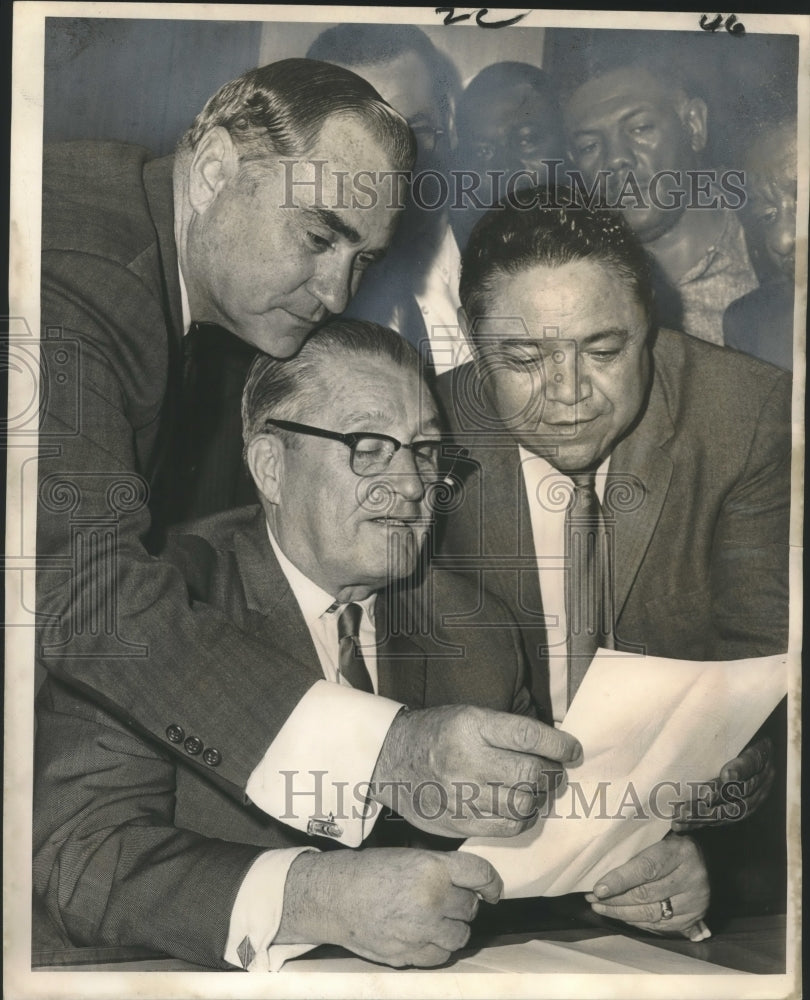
column 588, row 594
column 351, row 664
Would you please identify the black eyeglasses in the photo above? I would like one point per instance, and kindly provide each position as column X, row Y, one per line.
column 372, row 453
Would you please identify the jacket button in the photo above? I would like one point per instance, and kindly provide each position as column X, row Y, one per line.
column 175, row 733
column 212, row 757
column 193, row 745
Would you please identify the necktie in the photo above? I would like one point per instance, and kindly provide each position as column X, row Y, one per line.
column 210, row 475
column 588, row 595
column 351, row 664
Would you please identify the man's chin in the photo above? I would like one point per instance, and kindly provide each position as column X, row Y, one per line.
column 280, row 340
column 650, row 224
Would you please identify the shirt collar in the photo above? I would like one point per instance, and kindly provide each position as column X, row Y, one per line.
column 728, row 248
column 313, row 600
column 539, row 467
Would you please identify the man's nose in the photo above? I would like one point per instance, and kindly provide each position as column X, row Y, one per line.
column 407, row 481
column 331, row 284
column 564, row 381
column 618, row 151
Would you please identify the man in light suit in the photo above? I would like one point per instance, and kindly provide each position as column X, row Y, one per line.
column 247, row 227
column 686, row 445
column 135, row 847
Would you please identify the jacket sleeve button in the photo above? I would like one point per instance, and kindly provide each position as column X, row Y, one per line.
column 193, row 745
column 175, row 733
column 212, row 757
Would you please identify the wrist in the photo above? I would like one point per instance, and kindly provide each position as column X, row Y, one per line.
column 309, row 892
column 388, row 768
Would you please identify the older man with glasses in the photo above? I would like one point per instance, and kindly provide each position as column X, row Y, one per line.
column 133, row 847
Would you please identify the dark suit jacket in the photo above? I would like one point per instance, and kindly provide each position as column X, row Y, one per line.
column 761, row 323
column 132, row 847
column 116, row 621
column 699, row 520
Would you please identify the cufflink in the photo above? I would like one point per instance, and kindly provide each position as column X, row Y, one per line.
column 246, row 952
column 320, row 827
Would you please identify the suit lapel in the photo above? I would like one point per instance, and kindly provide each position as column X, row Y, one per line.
column 401, row 663
column 506, row 521
column 638, row 482
column 270, row 599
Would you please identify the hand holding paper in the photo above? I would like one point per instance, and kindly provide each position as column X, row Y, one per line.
column 508, row 762
column 652, row 731
column 749, row 777
column 671, row 870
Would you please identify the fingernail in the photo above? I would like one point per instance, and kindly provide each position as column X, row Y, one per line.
column 599, row 908
column 601, row 890
column 577, row 753
column 734, row 775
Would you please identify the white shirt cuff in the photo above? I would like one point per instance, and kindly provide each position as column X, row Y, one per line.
column 316, row 773
column 256, row 914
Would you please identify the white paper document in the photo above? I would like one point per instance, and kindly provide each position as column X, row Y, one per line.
column 649, row 727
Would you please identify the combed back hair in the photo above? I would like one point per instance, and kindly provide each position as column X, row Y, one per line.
column 504, row 76
column 294, row 389
column 554, row 231
column 373, row 44
column 281, row 108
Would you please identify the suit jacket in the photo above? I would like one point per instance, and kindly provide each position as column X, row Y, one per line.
column 117, row 622
column 132, row 846
column 697, row 503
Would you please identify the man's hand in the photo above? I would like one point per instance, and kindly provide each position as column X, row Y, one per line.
column 742, row 786
column 673, row 870
column 400, row 906
column 460, row 771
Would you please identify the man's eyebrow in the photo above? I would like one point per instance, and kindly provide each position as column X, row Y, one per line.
column 592, row 127
column 615, row 331
column 367, row 417
column 334, row 222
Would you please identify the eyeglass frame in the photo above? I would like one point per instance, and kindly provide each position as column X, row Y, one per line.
column 352, row 439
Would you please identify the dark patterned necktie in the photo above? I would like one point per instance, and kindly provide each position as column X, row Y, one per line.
column 351, row 664
column 588, row 594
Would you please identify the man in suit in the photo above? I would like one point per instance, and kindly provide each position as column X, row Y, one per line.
column 243, row 228
column 133, row 846
column 676, row 453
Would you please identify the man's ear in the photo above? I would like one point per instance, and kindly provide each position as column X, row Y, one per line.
column 265, row 459
column 214, row 163
column 694, row 115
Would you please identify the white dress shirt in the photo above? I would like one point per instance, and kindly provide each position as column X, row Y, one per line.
column 439, row 303
column 257, row 910
column 547, row 492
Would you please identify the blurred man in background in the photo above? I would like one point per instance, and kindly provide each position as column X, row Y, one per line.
column 645, row 130
column 415, row 291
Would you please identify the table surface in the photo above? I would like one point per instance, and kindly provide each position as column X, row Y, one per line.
column 752, row 944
